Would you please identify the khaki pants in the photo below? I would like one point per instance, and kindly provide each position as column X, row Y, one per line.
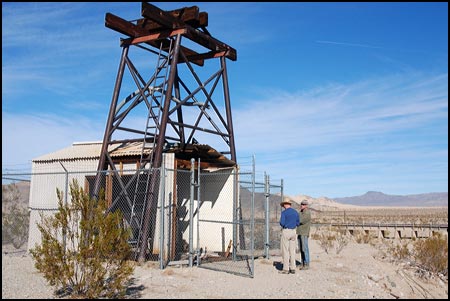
column 288, row 244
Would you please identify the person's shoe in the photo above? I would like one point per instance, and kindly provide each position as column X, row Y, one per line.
column 291, row 271
column 283, row 272
column 306, row 267
column 301, row 267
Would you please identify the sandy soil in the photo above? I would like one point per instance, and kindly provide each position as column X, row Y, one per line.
column 357, row 272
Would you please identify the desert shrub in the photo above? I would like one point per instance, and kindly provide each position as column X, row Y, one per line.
column 400, row 251
column 363, row 238
column 326, row 240
column 432, row 253
column 342, row 239
column 84, row 252
column 15, row 218
column 332, row 238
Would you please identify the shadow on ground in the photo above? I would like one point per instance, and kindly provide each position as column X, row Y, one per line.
column 133, row 290
column 279, row 265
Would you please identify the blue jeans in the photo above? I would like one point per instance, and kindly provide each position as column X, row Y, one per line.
column 304, row 249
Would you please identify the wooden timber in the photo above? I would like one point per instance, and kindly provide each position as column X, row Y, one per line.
column 157, row 26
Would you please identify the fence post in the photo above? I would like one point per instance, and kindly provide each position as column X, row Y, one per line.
column 252, row 220
column 66, row 192
column 191, row 213
column 235, row 211
column 267, row 221
column 198, row 214
column 161, row 211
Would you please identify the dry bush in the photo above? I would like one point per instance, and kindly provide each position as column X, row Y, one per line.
column 15, row 218
column 427, row 256
column 363, row 238
column 325, row 239
column 84, row 252
column 432, row 253
column 332, row 238
column 400, row 251
column 342, row 239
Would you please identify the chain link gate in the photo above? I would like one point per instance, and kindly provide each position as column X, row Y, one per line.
column 213, row 231
column 229, row 229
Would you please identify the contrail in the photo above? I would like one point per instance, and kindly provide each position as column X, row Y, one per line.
column 348, row 44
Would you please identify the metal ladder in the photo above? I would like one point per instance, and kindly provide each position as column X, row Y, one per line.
column 146, row 161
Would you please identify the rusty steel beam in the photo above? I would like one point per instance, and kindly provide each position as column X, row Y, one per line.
column 102, row 163
column 226, row 91
column 150, row 210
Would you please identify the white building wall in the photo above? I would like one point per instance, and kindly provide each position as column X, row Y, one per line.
column 46, row 178
column 216, row 211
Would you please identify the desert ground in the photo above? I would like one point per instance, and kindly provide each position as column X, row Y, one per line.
column 359, row 271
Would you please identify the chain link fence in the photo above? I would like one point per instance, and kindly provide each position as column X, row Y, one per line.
column 219, row 220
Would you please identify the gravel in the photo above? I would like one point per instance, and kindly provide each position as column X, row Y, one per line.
column 358, row 272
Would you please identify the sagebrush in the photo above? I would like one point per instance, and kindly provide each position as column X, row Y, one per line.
column 84, row 250
column 332, row 238
column 432, row 253
column 15, row 217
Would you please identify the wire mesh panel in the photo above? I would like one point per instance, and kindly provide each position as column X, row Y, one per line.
column 273, row 220
column 225, row 222
column 267, row 198
column 136, row 194
column 204, row 218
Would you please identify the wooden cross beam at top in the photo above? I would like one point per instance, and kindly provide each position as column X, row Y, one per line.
column 158, row 25
column 189, row 15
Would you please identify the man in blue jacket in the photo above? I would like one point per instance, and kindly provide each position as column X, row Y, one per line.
column 289, row 221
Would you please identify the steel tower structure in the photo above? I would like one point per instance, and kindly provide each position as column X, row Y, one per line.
column 171, row 104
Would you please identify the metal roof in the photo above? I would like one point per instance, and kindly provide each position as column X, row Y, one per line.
column 92, row 150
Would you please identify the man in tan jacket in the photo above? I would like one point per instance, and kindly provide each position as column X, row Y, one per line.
column 303, row 234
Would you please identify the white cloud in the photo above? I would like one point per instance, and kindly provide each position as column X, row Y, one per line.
column 25, row 137
column 358, row 137
column 341, row 113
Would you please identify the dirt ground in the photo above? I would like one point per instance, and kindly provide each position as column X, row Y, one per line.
column 358, row 272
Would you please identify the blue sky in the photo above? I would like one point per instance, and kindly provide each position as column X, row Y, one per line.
column 336, row 99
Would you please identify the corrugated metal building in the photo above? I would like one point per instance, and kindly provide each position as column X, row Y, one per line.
column 80, row 160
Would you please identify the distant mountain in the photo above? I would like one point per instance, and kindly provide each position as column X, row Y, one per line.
column 375, row 198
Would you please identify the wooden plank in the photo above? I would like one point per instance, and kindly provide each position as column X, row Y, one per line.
column 156, row 36
column 150, row 25
column 123, row 26
column 164, row 18
column 186, row 13
column 127, row 28
column 211, row 43
column 204, row 56
column 189, row 15
column 227, row 253
column 203, row 20
column 160, row 16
